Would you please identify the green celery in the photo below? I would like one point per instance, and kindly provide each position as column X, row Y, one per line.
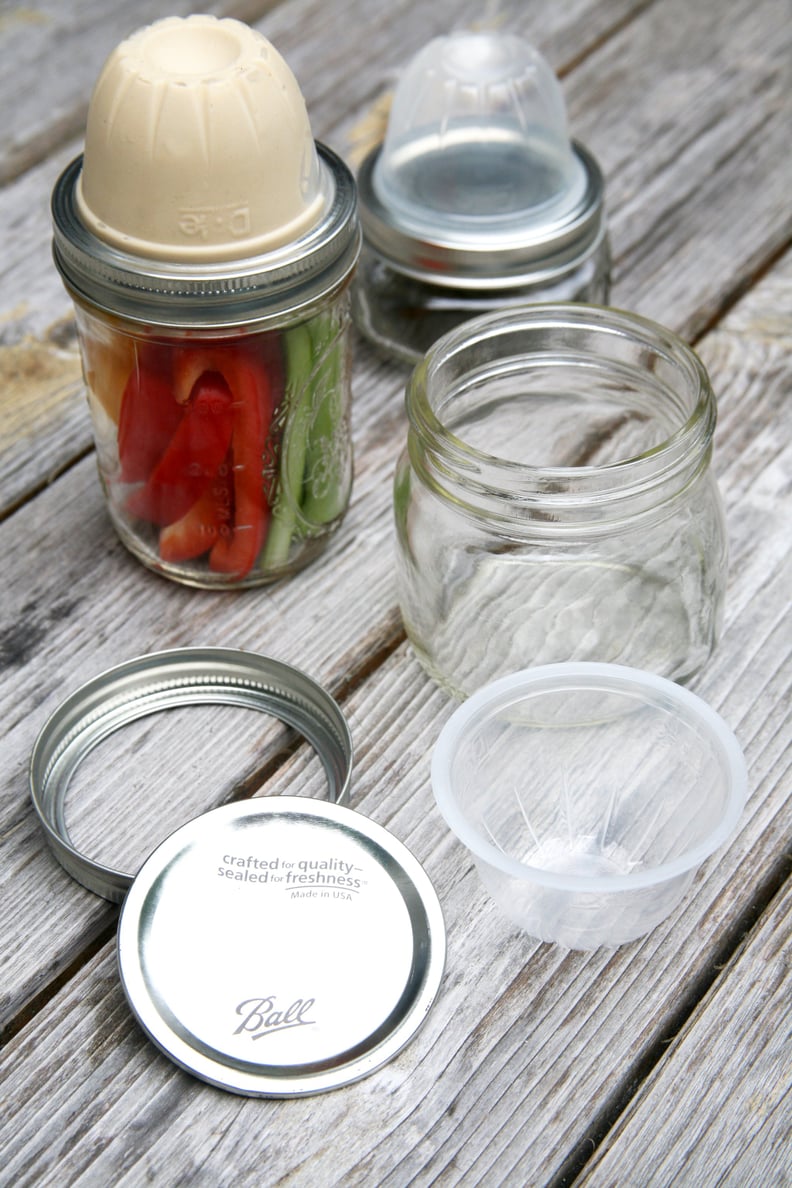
column 323, row 501
column 298, row 351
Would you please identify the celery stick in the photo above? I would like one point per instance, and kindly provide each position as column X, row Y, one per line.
column 298, row 396
column 325, row 493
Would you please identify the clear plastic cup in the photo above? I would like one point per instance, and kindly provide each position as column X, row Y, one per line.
column 588, row 795
column 478, row 137
column 478, row 199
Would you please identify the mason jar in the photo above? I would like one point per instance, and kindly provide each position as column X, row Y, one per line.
column 219, row 394
column 208, row 243
column 555, row 501
column 403, row 312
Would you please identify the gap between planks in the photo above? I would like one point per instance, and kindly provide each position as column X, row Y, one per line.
column 31, row 493
column 732, row 297
column 603, row 38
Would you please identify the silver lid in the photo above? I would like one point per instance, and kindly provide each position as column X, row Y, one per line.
column 270, row 287
column 281, row 946
column 492, row 255
column 163, row 680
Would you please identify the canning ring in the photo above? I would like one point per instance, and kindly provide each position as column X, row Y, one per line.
column 166, row 680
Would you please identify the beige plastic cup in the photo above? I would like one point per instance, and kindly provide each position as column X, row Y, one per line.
column 198, row 146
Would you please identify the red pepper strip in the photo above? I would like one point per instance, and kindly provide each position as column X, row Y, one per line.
column 148, row 419
column 191, row 362
column 254, row 403
column 209, row 517
column 192, row 458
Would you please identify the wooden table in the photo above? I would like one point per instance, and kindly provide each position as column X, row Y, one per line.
column 665, row 1062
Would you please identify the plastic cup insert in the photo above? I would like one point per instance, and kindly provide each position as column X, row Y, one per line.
column 588, row 795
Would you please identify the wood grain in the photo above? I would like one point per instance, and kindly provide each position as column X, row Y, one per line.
column 683, row 1124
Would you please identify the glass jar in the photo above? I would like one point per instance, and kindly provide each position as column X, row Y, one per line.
column 555, row 500
column 225, row 458
column 219, row 393
column 403, row 314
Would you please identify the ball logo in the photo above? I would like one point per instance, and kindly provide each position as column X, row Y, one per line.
column 262, row 1016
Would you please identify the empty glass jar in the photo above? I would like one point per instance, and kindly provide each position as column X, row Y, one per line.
column 555, row 499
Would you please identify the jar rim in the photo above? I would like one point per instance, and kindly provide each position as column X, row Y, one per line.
column 562, row 486
column 490, row 256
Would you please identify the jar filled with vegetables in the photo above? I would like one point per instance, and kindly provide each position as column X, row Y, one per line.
column 208, row 243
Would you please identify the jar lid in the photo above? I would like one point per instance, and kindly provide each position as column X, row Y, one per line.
column 273, row 947
column 166, row 680
column 281, row 947
column 477, row 183
column 272, row 286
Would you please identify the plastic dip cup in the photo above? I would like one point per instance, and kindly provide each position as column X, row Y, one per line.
column 588, row 795
column 478, row 199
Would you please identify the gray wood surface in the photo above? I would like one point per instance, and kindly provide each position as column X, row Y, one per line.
column 742, row 1030
column 664, row 1062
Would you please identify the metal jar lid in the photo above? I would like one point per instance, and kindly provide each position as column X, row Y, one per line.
column 164, row 680
column 281, row 947
column 273, row 947
column 270, row 287
column 489, row 258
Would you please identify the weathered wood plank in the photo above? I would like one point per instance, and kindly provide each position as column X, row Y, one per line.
column 688, row 111
column 718, row 1108
column 529, row 1047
